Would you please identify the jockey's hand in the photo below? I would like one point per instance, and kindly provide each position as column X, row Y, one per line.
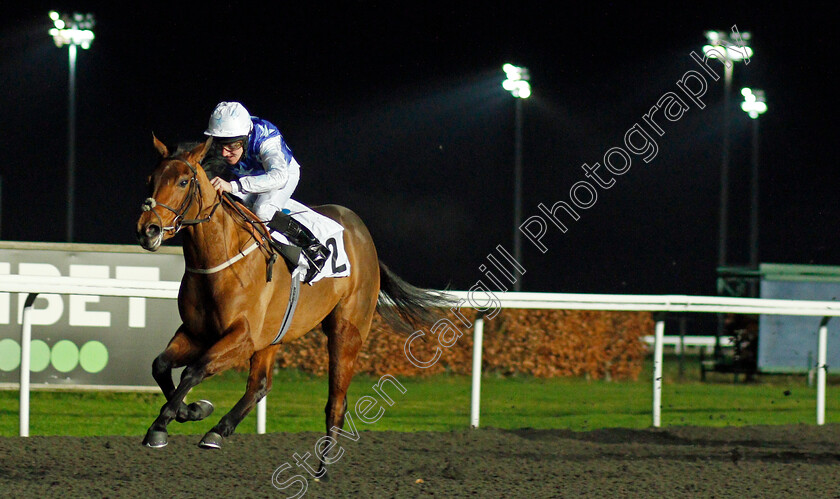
column 220, row 185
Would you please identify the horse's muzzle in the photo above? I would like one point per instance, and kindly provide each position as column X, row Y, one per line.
column 150, row 236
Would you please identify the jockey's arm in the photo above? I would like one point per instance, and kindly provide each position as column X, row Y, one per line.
column 276, row 170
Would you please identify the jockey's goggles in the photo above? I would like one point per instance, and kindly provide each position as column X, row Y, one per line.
column 233, row 146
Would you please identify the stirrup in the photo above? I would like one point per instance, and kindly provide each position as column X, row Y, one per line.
column 317, row 255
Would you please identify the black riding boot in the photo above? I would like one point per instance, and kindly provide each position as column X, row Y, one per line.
column 315, row 252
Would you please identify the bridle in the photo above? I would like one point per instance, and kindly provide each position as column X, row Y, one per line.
column 258, row 231
column 179, row 222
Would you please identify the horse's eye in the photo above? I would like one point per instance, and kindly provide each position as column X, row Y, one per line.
column 183, row 183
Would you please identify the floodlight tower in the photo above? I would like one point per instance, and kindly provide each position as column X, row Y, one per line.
column 516, row 83
column 722, row 45
column 754, row 105
column 73, row 31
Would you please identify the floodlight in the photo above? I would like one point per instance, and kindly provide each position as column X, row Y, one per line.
column 517, row 81
column 734, row 49
column 754, row 102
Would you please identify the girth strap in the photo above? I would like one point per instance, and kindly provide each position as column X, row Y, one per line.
column 294, row 294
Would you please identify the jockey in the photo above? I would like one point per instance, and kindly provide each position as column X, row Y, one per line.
column 264, row 174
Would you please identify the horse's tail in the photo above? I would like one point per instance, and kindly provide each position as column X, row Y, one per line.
column 405, row 307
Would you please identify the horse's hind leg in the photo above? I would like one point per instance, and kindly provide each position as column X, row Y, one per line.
column 259, row 384
column 344, row 340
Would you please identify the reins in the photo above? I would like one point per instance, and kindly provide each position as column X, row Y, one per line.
column 258, row 231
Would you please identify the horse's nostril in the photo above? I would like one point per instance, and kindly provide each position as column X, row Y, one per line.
column 152, row 230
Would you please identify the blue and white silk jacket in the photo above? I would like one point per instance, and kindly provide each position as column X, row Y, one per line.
column 267, row 163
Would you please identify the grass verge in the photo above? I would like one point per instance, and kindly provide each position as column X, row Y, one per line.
column 442, row 403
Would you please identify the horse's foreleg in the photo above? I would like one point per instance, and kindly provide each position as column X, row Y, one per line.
column 181, row 351
column 193, row 374
column 233, row 347
column 259, row 384
column 229, row 350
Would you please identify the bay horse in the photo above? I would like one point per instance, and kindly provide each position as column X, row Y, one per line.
column 233, row 315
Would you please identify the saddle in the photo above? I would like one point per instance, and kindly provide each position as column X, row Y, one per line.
column 301, row 241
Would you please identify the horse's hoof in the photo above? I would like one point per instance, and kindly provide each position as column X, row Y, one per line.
column 211, row 440
column 195, row 411
column 322, row 475
column 203, row 408
column 156, row 439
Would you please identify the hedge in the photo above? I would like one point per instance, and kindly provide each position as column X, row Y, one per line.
column 541, row 343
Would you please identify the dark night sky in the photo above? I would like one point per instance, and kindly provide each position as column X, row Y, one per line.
column 398, row 113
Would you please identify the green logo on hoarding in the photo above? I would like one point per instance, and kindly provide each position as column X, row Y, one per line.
column 39, row 356
column 64, row 357
column 9, row 355
column 93, row 356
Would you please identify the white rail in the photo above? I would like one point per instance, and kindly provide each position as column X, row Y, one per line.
column 87, row 286
column 653, row 303
column 680, row 343
column 34, row 285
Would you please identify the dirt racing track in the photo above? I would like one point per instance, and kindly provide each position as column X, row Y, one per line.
column 766, row 461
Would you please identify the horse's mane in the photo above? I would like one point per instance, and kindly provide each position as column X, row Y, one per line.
column 213, row 164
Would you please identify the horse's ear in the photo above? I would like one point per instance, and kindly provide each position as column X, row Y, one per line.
column 200, row 151
column 160, row 146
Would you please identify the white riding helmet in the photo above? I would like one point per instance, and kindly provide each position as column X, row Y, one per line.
column 229, row 119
